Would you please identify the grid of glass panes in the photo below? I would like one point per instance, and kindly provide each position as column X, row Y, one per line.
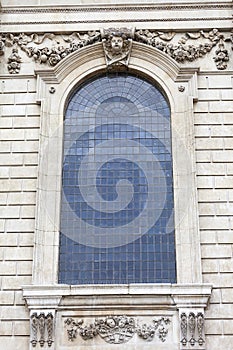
column 117, row 222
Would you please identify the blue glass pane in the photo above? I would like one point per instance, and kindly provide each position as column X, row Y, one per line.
column 117, row 220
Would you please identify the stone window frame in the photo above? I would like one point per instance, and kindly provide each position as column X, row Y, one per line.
column 54, row 86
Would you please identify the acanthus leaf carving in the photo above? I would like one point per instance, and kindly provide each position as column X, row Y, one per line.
column 117, row 329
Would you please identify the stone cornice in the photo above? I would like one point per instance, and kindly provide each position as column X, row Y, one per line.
column 116, row 7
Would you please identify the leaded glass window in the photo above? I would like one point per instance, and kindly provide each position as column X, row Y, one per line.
column 117, row 218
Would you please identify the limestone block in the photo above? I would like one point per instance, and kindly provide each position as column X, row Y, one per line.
column 216, row 251
column 7, row 268
column 13, row 110
column 15, row 282
column 224, row 237
column 13, row 134
column 213, row 327
column 212, row 195
column 26, row 122
column 208, row 236
column 16, row 343
column 227, row 327
column 21, row 198
column 211, row 169
column 28, row 98
column 222, row 131
column 6, row 298
column 14, row 312
column 7, row 99
column 11, row 185
column 9, row 212
column 220, row 81
column 205, row 182
column 18, row 253
column 25, row 146
column 227, row 295
column 6, row 328
column 203, row 156
column 8, row 239
column 223, row 156
column 208, row 95
column 4, row 172
column 215, row 296
column 21, row 328
column 19, row 85
column 226, row 265
column 223, row 280
column 209, row 118
column 32, row 134
column 224, row 182
column 25, row 239
column 3, row 198
column 19, row 298
column 201, row 107
column 227, row 94
column 209, row 143
column 210, row 265
column 11, row 159
column 24, row 172
column 20, row 225
column 24, row 268
column 215, row 209
column 6, row 122
column 203, row 130
column 5, row 146
column 27, row 211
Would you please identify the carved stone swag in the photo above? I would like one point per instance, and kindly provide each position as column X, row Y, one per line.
column 49, row 48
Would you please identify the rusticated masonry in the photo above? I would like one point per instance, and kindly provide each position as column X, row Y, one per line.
column 42, row 329
column 118, row 329
column 50, row 48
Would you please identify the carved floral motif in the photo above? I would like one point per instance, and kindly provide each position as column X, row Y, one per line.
column 192, row 330
column 50, row 48
column 117, row 329
column 42, row 329
column 14, row 61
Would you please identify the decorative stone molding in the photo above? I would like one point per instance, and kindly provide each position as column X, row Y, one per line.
column 118, row 329
column 163, row 311
column 183, row 52
column 117, row 45
column 50, row 48
column 42, row 329
column 192, row 334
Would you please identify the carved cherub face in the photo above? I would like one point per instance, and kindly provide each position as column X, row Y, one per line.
column 117, row 44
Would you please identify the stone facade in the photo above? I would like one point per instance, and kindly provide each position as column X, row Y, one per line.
column 46, row 50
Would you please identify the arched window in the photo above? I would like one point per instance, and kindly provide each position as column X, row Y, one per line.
column 117, row 217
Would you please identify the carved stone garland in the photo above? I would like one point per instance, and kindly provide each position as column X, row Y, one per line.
column 42, row 329
column 117, row 329
column 51, row 48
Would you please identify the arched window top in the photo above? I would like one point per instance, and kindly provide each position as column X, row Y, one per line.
column 117, row 220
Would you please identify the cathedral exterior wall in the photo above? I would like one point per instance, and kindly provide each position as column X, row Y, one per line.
column 25, row 76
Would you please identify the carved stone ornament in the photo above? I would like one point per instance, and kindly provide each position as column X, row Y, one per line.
column 14, row 61
column 117, row 45
column 192, row 330
column 117, row 329
column 50, row 48
column 42, row 329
